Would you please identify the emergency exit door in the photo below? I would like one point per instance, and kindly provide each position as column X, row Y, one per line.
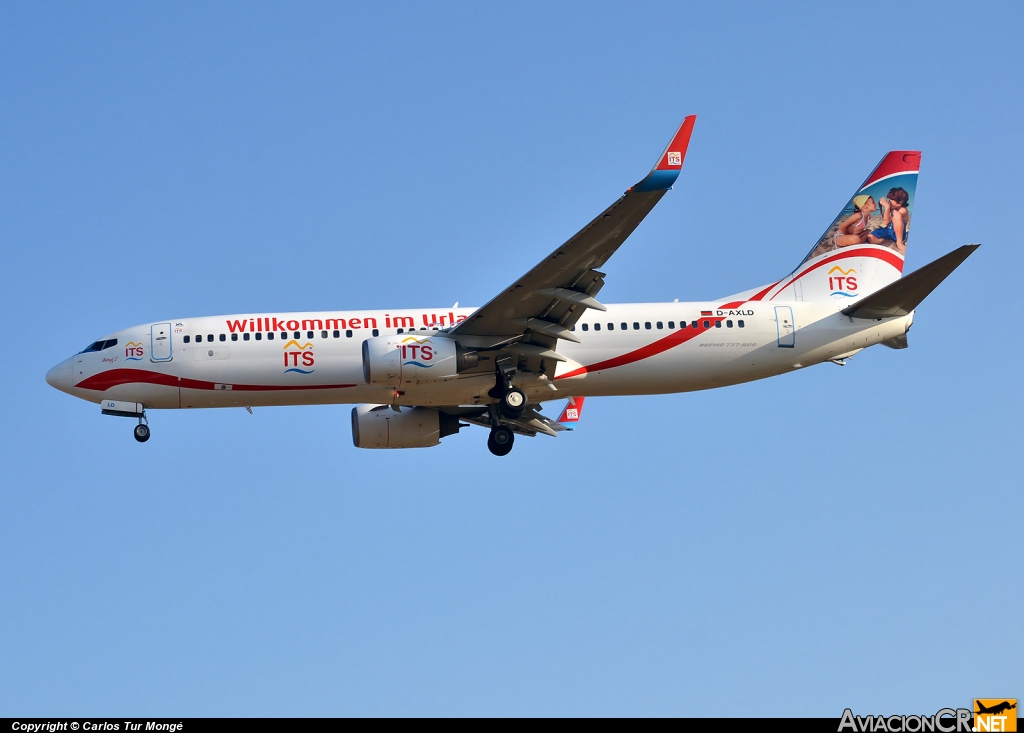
column 785, row 325
column 160, row 342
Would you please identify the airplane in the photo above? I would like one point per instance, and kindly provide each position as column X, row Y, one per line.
column 419, row 375
column 995, row 709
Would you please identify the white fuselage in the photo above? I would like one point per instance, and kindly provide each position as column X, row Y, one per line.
column 316, row 358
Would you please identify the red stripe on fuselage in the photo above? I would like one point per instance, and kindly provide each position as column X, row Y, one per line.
column 116, row 377
column 671, row 341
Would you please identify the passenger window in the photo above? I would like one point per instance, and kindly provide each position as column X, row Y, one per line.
column 647, row 325
column 729, row 324
column 376, row 332
column 694, row 325
column 659, row 325
column 270, row 336
column 186, row 340
column 401, row 330
column 597, row 326
column 224, row 338
column 671, row 324
column 245, row 337
column 259, row 336
column 323, row 334
column 718, row 324
column 636, row 326
column 284, row 335
column 348, row 334
column 309, row 334
column 624, row 326
column 707, row 324
column 337, row 334
column 611, row 326
column 740, row 323
column 586, row 327
column 296, row 336
column 209, row 337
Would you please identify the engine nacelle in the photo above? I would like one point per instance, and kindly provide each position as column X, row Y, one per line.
column 379, row 426
column 405, row 358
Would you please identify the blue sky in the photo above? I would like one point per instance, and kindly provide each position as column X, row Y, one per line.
column 830, row 538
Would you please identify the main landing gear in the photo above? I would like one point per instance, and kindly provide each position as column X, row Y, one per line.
column 511, row 404
column 500, row 441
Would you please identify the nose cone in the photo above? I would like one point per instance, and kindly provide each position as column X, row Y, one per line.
column 60, row 376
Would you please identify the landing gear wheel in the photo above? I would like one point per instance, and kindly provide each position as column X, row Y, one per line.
column 142, row 433
column 513, row 403
column 500, row 441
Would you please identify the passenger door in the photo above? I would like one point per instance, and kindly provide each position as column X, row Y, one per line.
column 160, row 342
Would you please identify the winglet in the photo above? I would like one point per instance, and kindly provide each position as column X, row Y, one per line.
column 573, row 410
column 666, row 170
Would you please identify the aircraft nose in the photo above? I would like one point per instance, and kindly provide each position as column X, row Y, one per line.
column 60, row 376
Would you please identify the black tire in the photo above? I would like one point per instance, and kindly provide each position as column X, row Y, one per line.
column 513, row 404
column 142, row 433
column 500, row 441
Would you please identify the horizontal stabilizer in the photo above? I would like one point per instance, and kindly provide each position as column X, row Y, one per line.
column 903, row 296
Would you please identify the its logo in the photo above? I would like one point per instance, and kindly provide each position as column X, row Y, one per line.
column 675, row 158
column 417, row 351
column 571, row 413
column 133, row 351
column 843, row 283
column 296, row 353
column 995, row 715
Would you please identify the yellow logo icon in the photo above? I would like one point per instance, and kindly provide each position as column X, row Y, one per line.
column 995, row 715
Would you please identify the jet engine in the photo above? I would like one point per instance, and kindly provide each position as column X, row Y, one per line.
column 380, row 426
column 402, row 359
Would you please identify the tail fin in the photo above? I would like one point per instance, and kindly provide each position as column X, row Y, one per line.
column 864, row 247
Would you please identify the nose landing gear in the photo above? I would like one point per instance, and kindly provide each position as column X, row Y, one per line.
column 128, row 409
column 142, row 429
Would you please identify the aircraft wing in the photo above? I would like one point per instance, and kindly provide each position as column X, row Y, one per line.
column 545, row 303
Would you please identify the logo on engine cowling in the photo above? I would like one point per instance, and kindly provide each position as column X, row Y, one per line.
column 417, row 351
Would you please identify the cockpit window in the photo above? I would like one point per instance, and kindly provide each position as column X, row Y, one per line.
column 99, row 346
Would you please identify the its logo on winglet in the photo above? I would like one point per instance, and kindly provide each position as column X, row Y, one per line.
column 675, row 158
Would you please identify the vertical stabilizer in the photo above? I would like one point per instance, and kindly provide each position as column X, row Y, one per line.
column 864, row 248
